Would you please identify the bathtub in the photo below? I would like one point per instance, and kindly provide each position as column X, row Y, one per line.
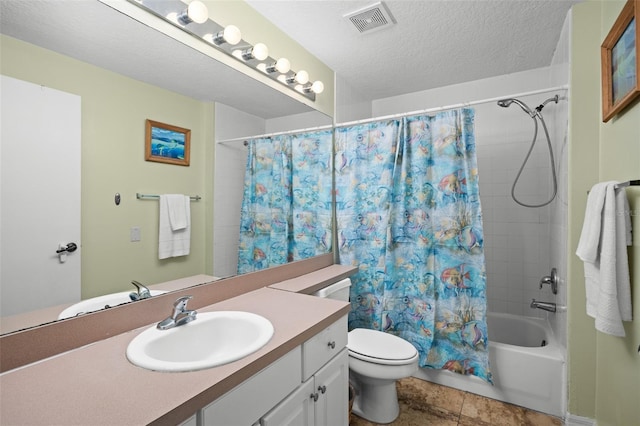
column 527, row 365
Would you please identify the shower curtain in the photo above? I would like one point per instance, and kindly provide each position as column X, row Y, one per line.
column 286, row 206
column 409, row 216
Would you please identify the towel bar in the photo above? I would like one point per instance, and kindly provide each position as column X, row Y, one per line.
column 627, row 183
column 156, row 197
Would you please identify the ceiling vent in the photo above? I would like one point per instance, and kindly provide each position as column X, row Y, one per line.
column 371, row 18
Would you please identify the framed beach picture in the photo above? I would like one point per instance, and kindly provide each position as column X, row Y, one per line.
column 165, row 143
column 620, row 62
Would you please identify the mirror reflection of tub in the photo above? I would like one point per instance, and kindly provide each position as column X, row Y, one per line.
column 527, row 364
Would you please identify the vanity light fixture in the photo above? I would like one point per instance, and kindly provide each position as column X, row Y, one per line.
column 228, row 39
column 231, row 35
column 196, row 12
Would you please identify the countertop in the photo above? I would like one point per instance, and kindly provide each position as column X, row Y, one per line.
column 97, row 385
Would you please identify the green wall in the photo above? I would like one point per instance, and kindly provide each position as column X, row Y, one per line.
column 603, row 371
column 114, row 109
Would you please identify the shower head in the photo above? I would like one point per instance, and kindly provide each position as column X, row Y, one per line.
column 505, row 103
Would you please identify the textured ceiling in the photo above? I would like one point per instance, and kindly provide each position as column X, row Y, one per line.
column 433, row 44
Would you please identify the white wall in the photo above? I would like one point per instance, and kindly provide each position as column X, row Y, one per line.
column 560, row 209
column 350, row 105
column 230, row 163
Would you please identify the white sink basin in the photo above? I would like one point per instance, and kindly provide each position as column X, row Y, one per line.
column 212, row 339
column 100, row 302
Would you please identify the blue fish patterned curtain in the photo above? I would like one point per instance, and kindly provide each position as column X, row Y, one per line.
column 286, row 206
column 421, row 268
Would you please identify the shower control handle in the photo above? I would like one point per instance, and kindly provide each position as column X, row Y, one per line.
column 552, row 280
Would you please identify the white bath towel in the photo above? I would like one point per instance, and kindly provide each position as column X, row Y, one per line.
column 174, row 235
column 606, row 232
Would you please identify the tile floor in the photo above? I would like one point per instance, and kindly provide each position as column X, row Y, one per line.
column 423, row 403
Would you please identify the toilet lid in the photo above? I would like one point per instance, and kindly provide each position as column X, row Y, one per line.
column 381, row 347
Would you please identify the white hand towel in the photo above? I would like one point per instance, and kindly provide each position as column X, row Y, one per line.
column 602, row 247
column 174, row 243
column 178, row 209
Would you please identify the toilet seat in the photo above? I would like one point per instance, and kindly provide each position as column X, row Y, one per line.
column 380, row 348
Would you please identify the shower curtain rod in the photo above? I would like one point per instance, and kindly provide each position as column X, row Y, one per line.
column 390, row 117
column 269, row 135
column 448, row 107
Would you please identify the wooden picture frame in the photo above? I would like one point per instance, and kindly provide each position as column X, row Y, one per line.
column 165, row 143
column 620, row 60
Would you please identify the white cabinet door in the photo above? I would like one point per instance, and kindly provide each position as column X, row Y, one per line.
column 332, row 386
column 247, row 402
column 296, row 410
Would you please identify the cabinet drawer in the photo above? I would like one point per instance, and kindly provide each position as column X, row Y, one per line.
column 247, row 402
column 318, row 350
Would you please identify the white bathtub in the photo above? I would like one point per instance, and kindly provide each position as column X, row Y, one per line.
column 524, row 372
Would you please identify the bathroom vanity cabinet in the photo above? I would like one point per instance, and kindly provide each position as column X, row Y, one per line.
column 300, row 376
column 308, row 386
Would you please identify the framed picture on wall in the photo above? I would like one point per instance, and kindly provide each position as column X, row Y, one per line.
column 621, row 62
column 165, row 143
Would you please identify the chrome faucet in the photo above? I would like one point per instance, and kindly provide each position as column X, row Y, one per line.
column 141, row 292
column 546, row 306
column 180, row 315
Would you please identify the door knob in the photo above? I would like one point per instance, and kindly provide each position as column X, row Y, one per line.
column 69, row 248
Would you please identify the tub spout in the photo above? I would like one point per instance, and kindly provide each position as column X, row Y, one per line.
column 546, row 306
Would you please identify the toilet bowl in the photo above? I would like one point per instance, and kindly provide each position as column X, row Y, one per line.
column 376, row 361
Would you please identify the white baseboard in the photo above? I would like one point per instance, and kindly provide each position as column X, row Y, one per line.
column 573, row 420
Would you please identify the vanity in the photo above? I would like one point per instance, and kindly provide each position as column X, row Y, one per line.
column 299, row 377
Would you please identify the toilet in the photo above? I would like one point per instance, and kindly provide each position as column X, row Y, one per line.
column 376, row 361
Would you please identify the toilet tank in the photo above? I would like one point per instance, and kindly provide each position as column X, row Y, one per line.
column 338, row 291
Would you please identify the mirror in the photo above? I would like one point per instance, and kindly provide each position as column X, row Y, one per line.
column 125, row 73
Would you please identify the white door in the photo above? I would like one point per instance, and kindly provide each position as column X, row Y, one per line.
column 39, row 196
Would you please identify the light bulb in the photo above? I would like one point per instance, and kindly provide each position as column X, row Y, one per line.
column 260, row 52
column 317, row 87
column 302, row 77
column 196, row 12
column 282, row 65
column 232, row 34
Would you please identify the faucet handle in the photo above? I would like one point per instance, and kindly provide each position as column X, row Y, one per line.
column 180, row 305
column 552, row 280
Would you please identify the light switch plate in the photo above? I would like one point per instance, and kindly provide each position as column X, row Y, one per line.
column 135, row 234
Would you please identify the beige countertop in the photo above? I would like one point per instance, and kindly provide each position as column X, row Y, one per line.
column 97, row 385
